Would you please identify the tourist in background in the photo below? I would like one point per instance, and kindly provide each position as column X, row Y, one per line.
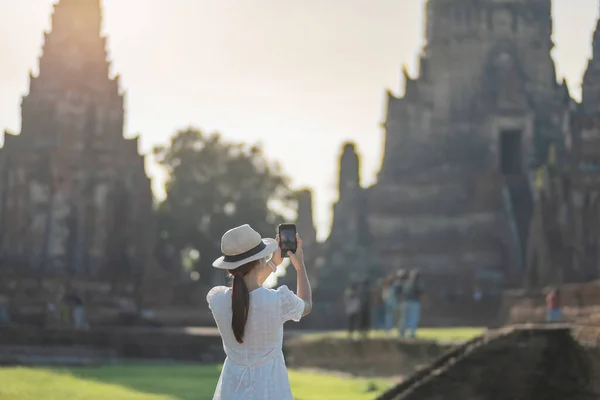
column 411, row 307
column 250, row 317
column 78, row 313
column 378, row 305
column 392, row 294
column 365, row 308
column 553, row 306
column 398, row 288
column 352, row 306
column 390, row 302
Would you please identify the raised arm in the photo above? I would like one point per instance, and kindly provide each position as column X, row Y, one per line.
column 303, row 285
column 265, row 273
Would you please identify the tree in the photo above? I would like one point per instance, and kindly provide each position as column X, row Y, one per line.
column 212, row 186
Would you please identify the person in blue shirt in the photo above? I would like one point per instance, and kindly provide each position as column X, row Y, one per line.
column 411, row 307
column 392, row 298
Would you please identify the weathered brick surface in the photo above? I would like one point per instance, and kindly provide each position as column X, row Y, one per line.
column 534, row 362
column 29, row 299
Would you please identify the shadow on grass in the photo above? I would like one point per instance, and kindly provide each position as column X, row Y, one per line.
column 178, row 382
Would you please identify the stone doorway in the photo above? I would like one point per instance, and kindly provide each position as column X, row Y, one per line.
column 511, row 159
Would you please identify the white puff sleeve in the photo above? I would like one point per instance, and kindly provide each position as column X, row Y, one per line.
column 214, row 294
column 292, row 306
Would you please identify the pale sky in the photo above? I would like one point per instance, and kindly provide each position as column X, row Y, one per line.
column 299, row 76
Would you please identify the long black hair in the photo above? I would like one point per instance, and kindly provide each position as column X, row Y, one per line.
column 240, row 299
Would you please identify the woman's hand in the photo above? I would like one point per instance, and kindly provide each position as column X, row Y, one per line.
column 276, row 257
column 297, row 258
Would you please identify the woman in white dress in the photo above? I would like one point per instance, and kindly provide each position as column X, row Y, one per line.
column 250, row 317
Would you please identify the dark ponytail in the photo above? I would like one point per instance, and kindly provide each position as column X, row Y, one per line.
column 240, row 300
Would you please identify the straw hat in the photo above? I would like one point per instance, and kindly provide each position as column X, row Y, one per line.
column 242, row 245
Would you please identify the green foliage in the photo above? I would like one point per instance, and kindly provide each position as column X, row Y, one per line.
column 160, row 382
column 214, row 185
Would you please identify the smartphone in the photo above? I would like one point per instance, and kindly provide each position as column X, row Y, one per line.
column 287, row 238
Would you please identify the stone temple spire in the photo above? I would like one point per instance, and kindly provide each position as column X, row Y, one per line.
column 73, row 90
column 346, row 210
column 74, row 54
column 590, row 90
column 596, row 41
column 78, row 14
column 305, row 221
column 349, row 170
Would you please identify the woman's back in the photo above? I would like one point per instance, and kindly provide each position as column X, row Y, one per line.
column 269, row 309
column 255, row 368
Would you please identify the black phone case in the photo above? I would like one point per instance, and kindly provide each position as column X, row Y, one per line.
column 284, row 250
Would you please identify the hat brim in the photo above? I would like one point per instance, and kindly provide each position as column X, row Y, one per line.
column 270, row 247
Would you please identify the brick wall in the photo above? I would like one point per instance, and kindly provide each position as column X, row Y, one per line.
column 138, row 343
column 28, row 299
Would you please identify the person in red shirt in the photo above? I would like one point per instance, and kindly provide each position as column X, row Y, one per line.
column 553, row 306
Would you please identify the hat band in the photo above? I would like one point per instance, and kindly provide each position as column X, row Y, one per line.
column 239, row 257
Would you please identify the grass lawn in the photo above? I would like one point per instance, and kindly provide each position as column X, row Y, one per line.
column 195, row 382
column 439, row 334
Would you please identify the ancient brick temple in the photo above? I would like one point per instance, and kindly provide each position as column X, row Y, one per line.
column 463, row 145
column 564, row 244
column 74, row 195
column 454, row 196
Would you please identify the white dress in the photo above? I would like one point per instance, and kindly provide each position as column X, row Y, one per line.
column 255, row 369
